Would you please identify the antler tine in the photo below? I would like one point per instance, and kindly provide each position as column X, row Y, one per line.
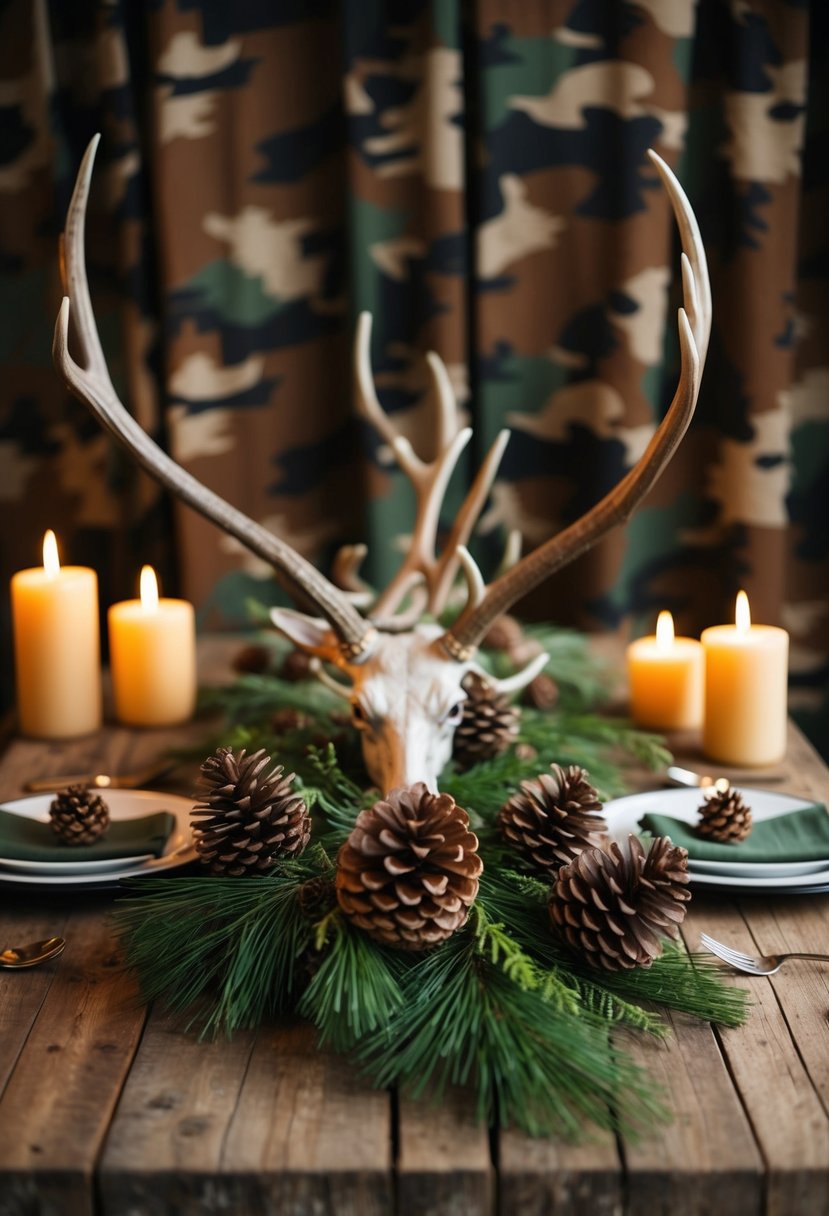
column 465, row 520
column 92, row 385
column 429, row 479
column 694, row 325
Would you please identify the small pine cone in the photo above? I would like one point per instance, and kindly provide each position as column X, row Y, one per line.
column 249, row 817
column 316, row 897
column 284, row 720
column 554, row 817
column 612, row 909
column 78, row 815
column 541, row 692
column 488, row 726
column 505, row 633
column 295, row 666
column 252, row 660
column 408, row 873
column 725, row 817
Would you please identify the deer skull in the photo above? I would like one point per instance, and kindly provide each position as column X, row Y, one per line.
column 404, row 675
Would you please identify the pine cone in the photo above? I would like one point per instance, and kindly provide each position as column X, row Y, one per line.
column 252, row 660
column 554, row 817
column 249, row 817
column 316, row 897
column 612, row 908
column 505, row 633
column 78, row 815
column 408, row 873
column 541, row 692
column 295, row 666
column 488, row 726
column 725, row 817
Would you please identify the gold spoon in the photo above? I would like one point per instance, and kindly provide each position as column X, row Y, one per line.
column 31, row 955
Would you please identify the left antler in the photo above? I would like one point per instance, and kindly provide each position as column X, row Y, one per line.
column 694, row 322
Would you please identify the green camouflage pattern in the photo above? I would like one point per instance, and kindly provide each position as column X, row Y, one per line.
column 475, row 175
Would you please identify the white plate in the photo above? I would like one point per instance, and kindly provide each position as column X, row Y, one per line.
column 623, row 816
column 123, row 804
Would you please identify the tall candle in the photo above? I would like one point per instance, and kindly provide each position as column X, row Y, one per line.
column 152, row 646
column 666, row 676
column 57, row 649
column 746, row 668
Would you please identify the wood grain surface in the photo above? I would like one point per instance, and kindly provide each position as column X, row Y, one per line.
column 109, row 1107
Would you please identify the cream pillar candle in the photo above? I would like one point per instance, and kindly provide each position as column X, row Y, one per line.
column 152, row 646
column 57, row 648
column 666, row 676
column 746, row 669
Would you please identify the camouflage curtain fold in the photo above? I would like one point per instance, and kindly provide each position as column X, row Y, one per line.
column 474, row 174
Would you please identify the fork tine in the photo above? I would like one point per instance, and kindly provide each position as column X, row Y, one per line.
column 727, row 953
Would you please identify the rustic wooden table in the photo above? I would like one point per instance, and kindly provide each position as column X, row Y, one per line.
column 107, row 1106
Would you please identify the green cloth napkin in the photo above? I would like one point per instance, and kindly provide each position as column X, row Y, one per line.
column 24, row 839
column 801, row 835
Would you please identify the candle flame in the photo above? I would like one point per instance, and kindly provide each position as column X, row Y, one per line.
column 664, row 631
column 51, row 561
column 742, row 613
column 149, row 589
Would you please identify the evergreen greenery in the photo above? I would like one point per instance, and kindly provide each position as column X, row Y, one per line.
column 502, row 1006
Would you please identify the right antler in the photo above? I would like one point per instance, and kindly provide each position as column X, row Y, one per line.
column 694, row 321
column 92, row 385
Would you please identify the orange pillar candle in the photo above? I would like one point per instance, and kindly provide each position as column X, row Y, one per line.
column 666, row 675
column 57, row 648
column 746, row 670
column 152, row 646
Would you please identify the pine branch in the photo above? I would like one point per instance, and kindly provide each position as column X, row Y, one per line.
column 464, row 1021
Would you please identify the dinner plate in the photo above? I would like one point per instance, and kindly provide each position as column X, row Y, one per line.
column 623, row 816
column 123, row 804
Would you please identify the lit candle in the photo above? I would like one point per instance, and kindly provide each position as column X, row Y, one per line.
column 57, row 648
column 666, row 676
column 152, row 647
column 746, row 668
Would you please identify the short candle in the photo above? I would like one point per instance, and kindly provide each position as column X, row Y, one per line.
column 57, row 647
column 746, row 673
column 666, row 676
column 152, row 646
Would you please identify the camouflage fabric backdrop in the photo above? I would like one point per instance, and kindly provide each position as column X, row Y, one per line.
column 475, row 175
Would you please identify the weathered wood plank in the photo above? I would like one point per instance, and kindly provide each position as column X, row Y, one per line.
column 443, row 1163
column 262, row 1123
column 539, row 1177
column 703, row 1158
column 22, row 992
column 59, row 1100
column 786, row 1113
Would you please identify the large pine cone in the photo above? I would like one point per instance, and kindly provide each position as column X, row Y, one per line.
column 78, row 815
column 408, row 873
column 725, row 817
column 249, row 817
column 488, row 726
column 612, row 908
column 554, row 817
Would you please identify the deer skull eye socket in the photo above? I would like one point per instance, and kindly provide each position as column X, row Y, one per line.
column 453, row 717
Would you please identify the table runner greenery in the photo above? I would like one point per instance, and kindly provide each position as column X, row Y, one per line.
column 501, row 1006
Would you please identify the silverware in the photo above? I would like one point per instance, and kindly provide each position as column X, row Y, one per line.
column 761, row 964
column 688, row 777
column 103, row 781
column 29, row 956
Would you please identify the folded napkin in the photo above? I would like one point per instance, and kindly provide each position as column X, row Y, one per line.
column 24, row 839
column 801, row 835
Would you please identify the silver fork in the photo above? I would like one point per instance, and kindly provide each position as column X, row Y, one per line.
column 760, row 964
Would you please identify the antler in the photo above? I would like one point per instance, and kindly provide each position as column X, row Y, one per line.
column 89, row 380
column 694, row 322
column 429, row 481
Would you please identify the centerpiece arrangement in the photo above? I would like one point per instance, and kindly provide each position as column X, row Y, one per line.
column 467, row 921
